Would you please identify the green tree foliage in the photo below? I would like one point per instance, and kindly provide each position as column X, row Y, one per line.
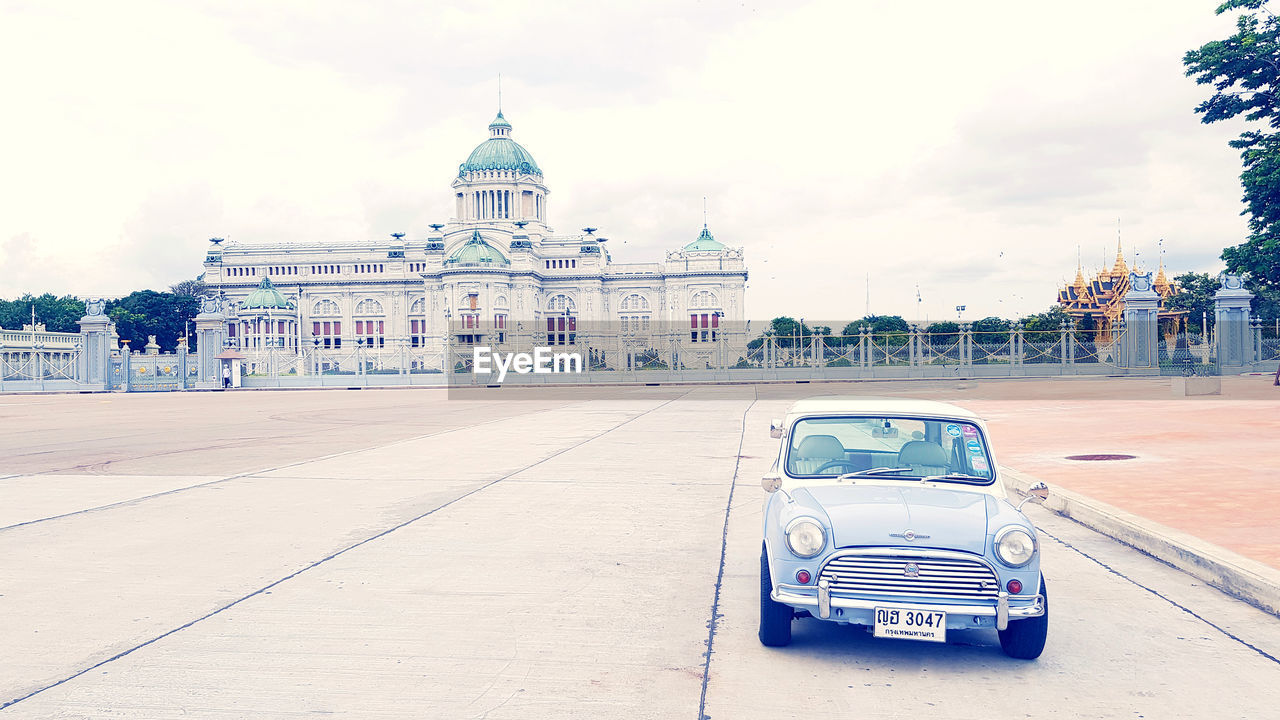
column 1244, row 70
column 1195, row 295
column 991, row 329
column 888, row 328
column 191, row 288
column 788, row 332
column 59, row 314
column 147, row 312
column 1046, row 326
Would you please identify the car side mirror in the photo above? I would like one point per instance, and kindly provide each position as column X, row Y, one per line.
column 775, row 428
column 1037, row 493
column 771, row 483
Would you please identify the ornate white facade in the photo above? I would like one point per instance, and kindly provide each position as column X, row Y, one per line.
column 495, row 274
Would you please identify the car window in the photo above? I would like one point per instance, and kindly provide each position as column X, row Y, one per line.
column 837, row 445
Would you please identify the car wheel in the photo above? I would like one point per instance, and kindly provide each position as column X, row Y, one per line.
column 1024, row 639
column 775, row 617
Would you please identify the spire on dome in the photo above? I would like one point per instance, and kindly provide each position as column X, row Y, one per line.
column 499, row 127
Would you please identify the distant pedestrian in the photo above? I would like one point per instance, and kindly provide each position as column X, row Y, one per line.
column 226, row 376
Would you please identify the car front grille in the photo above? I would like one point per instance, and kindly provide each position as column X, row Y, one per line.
column 889, row 574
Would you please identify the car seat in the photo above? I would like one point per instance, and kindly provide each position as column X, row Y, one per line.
column 815, row 451
column 924, row 458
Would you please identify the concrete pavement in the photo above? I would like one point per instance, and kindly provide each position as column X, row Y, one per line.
column 558, row 557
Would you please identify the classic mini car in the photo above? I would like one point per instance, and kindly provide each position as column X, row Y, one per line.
column 891, row 514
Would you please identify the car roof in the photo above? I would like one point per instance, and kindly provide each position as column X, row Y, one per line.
column 877, row 406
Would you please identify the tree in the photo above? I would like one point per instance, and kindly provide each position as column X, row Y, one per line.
column 190, row 288
column 984, row 330
column 892, row 328
column 1046, row 326
column 1244, row 70
column 147, row 312
column 787, row 331
column 1195, row 295
column 59, row 314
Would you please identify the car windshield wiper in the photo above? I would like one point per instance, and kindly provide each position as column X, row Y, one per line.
column 874, row 472
column 958, row 478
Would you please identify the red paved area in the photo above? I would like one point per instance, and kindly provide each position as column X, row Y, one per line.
column 1207, row 465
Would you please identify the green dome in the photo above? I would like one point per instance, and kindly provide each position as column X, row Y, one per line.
column 266, row 297
column 500, row 152
column 476, row 253
column 705, row 243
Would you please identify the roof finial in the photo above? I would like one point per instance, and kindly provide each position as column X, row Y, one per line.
column 499, row 93
column 704, row 212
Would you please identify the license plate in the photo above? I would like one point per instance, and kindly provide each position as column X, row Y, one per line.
column 907, row 623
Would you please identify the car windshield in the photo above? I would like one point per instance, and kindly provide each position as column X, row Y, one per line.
column 887, row 447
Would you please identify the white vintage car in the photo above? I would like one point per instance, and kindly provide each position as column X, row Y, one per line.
column 890, row 513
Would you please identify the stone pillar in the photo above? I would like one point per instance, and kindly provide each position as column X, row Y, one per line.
column 1231, row 326
column 1139, row 346
column 211, row 339
column 966, row 344
column 95, row 345
column 126, row 366
column 181, row 352
column 862, row 347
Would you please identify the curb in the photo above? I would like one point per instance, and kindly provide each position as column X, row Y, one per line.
column 1234, row 574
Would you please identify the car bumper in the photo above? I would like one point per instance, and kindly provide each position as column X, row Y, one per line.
column 819, row 602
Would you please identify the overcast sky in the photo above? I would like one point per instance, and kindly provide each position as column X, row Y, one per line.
column 969, row 149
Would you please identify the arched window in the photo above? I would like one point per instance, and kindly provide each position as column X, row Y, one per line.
column 559, row 303
column 326, row 307
column 500, row 301
column 418, row 323
column 635, row 302
column 370, row 333
column 369, row 306
column 704, row 299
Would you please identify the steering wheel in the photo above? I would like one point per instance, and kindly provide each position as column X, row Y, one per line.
column 836, row 463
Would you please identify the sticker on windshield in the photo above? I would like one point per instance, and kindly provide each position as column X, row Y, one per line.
column 953, row 430
column 974, row 446
column 970, row 431
column 979, row 463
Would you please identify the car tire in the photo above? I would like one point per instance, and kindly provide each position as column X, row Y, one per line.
column 775, row 617
column 1024, row 639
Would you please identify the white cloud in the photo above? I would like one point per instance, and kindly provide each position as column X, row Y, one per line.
column 970, row 149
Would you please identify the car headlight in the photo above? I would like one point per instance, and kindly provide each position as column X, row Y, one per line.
column 1015, row 546
column 806, row 537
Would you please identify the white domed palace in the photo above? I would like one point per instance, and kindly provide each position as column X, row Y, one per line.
column 496, row 274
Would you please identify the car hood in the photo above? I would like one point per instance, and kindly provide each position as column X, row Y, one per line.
column 867, row 515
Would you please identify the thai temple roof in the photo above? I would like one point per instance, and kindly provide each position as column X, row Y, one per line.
column 1102, row 296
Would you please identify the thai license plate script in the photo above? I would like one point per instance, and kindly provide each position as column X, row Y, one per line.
column 906, row 623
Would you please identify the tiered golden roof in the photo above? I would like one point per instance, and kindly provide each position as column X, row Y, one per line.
column 1102, row 297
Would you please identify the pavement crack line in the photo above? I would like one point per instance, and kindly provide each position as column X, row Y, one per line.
column 724, row 546
column 1160, row 595
column 262, row 471
column 344, row 551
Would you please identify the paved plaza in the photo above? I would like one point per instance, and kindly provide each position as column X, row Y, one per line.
column 573, row 553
